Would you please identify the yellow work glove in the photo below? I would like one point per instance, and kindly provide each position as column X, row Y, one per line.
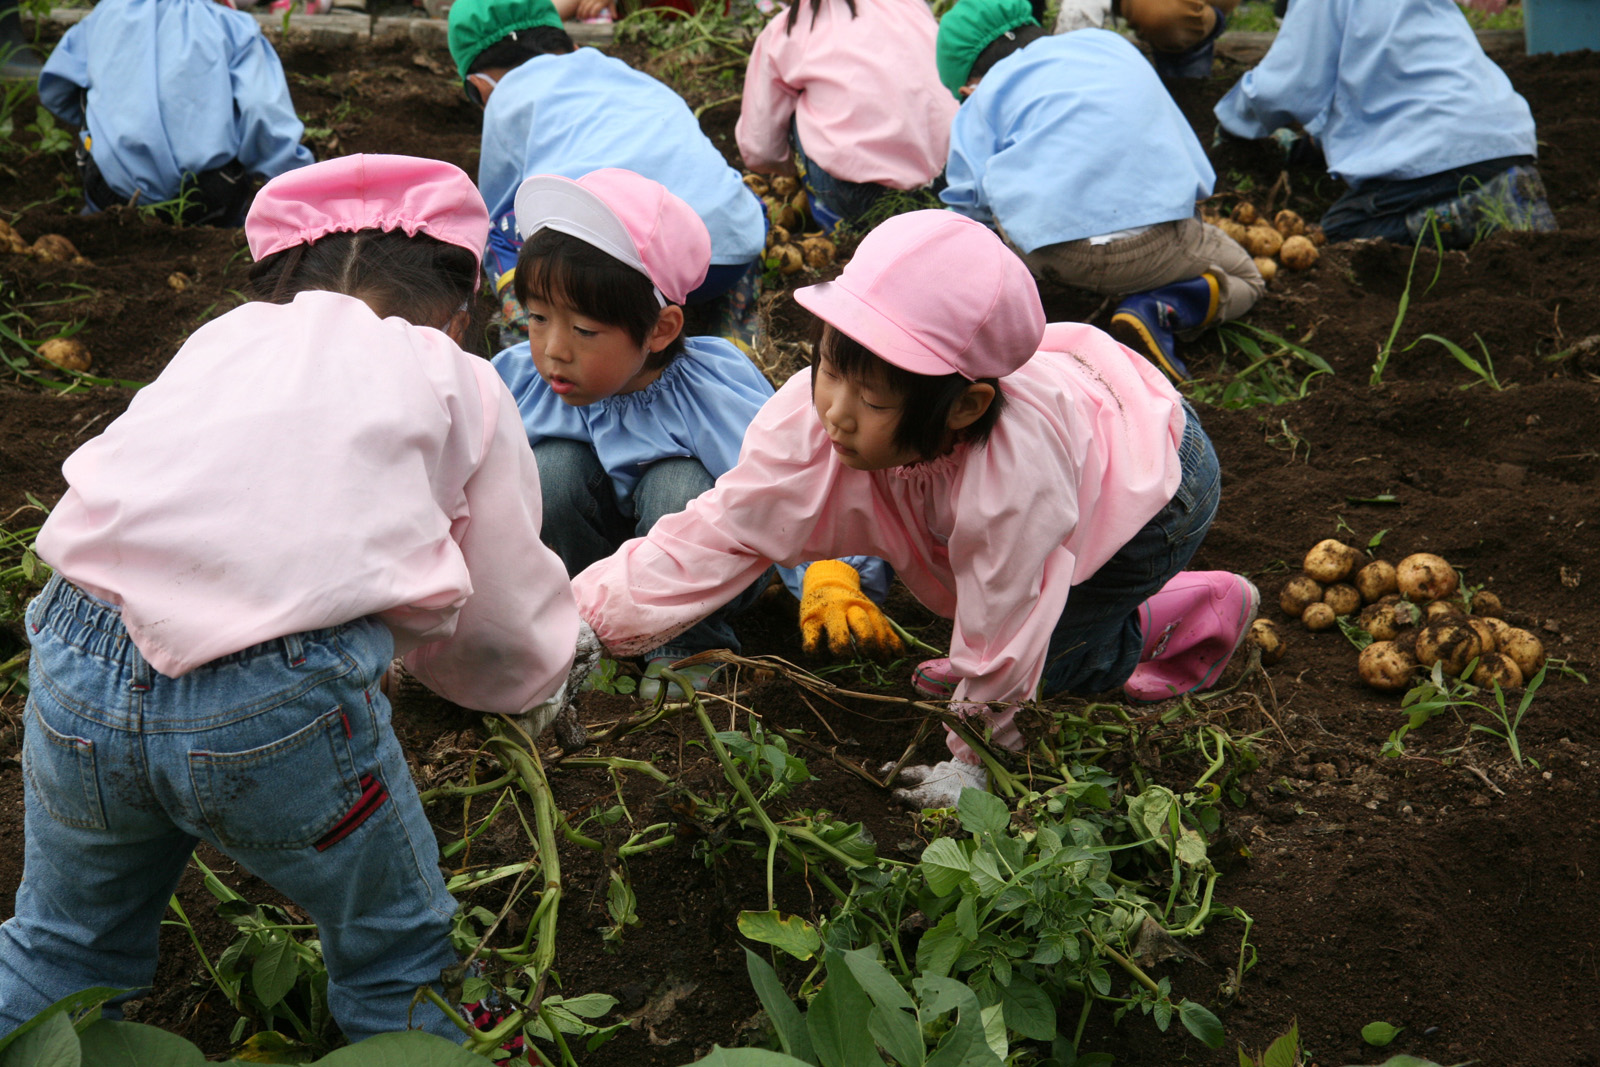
column 834, row 609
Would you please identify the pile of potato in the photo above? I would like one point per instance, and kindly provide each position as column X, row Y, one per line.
column 790, row 237
column 49, row 248
column 1413, row 613
column 1286, row 237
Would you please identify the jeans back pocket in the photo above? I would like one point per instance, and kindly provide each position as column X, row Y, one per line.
column 283, row 795
column 61, row 772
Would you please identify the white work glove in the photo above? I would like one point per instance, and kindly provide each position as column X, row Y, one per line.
column 1082, row 15
column 940, row 785
column 558, row 711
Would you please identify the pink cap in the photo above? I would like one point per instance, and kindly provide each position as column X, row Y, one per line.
column 364, row 192
column 934, row 292
column 628, row 217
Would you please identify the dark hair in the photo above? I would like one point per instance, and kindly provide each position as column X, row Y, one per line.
column 517, row 48
column 816, row 9
column 558, row 268
column 925, row 399
column 421, row 279
column 1002, row 46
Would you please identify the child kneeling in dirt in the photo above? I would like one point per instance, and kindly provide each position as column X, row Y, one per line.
column 846, row 95
column 552, row 108
column 175, row 100
column 629, row 420
column 1073, row 149
column 1043, row 486
column 1408, row 110
column 319, row 479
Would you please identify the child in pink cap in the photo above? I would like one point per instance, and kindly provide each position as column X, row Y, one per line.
column 629, row 420
column 1042, row 486
column 319, row 479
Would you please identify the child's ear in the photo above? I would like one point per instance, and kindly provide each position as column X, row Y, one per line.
column 668, row 326
column 971, row 405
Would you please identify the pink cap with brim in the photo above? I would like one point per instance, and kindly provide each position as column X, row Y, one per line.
column 628, row 217
column 934, row 292
column 368, row 192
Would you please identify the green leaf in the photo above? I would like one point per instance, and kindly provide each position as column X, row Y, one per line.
column 409, row 1048
column 111, row 1043
column 876, row 980
column 940, row 947
column 994, row 1031
column 275, row 970
column 82, row 1008
column 1029, row 1010
column 899, row 1034
column 986, row 872
column 587, row 1006
column 739, row 1057
column 1380, row 1033
column 790, row 933
column 50, row 1043
column 786, row 1020
column 1285, row 1051
column 834, row 1021
column 944, row 865
column 1199, row 1021
column 982, row 812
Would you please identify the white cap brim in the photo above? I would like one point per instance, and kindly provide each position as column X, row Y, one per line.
column 551, row 202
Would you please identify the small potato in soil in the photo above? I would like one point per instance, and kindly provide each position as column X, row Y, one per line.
column 1450, row 643
column 1315, row 234
column 1299, row 593
column 1331, row 561
column 1385, row 667
column 819, row 251
column 1318, row 617
column 777, row 235
column 1298, row 253
column 11, row 240
column 1262, row 240
column 1377, row 580
column 784, row 186
column 1264, row 635
column 1443, row 609
column 1342, row 597
column 1244, row 213
column 1487, row 604
column 1487, row 640
column 1289, row 223
column 1497, row 668
column 1500, row 628
column 1525, row 650
column 757, row 184
column 1424, row 576
column 68, row 353
column 790, row 258
column 1267, row 266
column 1235, row 230
column 54, row 248
column 1383, row 620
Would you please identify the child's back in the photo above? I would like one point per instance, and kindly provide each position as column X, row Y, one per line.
column 166, row 89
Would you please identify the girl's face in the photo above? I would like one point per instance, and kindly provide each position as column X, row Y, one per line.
column 585, row 360
column 860, row 419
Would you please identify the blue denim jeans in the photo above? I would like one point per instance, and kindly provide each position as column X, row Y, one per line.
column 1096, row 645
column 583, row 523
column 1379, row 208
column 281, row 756
column 839, row 200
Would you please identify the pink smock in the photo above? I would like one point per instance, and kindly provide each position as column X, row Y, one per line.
column 1083, row 456
column 302, row 465
column 864, row 93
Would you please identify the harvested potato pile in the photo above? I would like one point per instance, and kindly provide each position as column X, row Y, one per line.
column 1286, row 238
column 1416, row 613
column 792, row 243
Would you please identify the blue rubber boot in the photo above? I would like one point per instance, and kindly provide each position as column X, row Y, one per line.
column 17, row 61
column 1149, row 322
column 1193, row 62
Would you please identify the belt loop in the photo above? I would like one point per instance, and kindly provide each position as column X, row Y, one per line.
column 294, row 652
column 141, row 672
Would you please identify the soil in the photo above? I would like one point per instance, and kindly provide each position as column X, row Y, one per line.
column 1448, row 891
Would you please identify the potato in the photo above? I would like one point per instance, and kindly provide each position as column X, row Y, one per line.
column 1450, row 643
column 1244, row 213
column 1268, row 268
column 784, row 186
column 1315, row 234
column 1298, row 253
column 1331, row 561
column 11, row 240
column 66, row 352
column 1525, row 650
column 1318, row 617
column 777, row 235
column 1342, row 598
column 1262, row 240
column 1385, row 667
column 1487, row 641
column 757, row 184
column 1500, row 628
column 54, row 248
column 1289, row 223
column 1497, row 668
column 1299, row 593
column 1424, row 576
column 178, row 281
column 1443, row 609
column 819, row 251
column 1385, row 620
column 1233, row 229
column 1264, row 635
column 1487, row 604
column 790, row 258
column 785, row 215
column 1376, row 580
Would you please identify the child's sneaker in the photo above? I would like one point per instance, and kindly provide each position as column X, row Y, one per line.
column 935, row 678
column 1192, row 628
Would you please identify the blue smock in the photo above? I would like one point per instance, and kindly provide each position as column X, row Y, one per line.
column 578, row 112
column 1073, row 136
column 175, row 87
column 1392, row 89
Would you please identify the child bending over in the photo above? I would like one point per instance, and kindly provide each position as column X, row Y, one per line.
column 1041, row 486
column 319, row 479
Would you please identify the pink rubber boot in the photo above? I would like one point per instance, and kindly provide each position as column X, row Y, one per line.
column 1192, row 628
column 935, row 678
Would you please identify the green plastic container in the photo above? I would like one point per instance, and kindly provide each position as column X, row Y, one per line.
column 1561, row 25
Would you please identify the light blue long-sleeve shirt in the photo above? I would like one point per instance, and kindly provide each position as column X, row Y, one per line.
column 175, row 87
column 1073, row 136
column 1393, row 89
column 578, row 112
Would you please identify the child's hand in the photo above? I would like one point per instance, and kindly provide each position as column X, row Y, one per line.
column 834, row 609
